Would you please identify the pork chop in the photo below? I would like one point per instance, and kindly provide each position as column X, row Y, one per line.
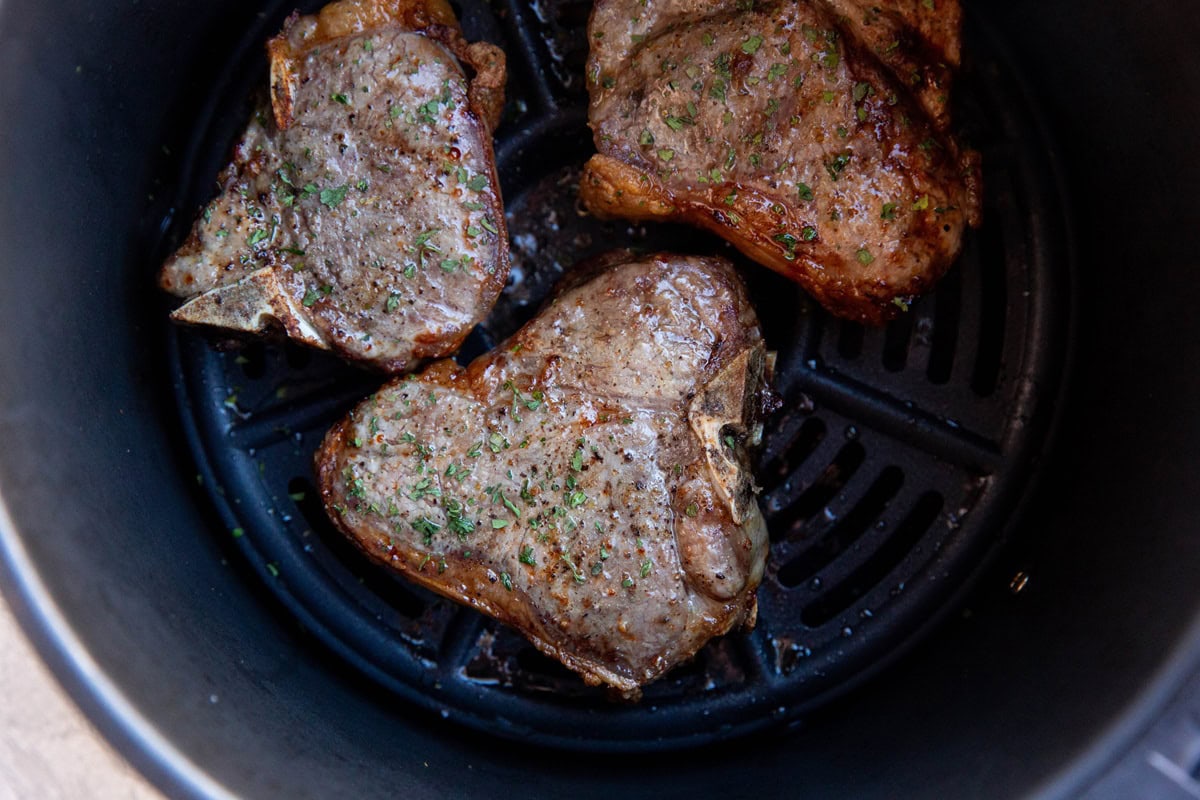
column 587, row 481
column 812, row 135
column 361, row 213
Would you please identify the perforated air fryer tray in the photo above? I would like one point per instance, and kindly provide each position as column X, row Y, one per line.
column 896, row 461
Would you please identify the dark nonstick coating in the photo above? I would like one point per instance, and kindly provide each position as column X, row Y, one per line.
column 156, row 627
column 896, row 455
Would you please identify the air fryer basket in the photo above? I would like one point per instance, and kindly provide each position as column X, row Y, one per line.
column 1025, row 430
column 889, row 471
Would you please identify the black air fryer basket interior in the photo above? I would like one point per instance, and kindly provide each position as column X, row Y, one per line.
column 984, row 566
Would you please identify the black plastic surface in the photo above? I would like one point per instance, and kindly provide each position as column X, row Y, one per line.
column 894, row 462
column 1021, row 693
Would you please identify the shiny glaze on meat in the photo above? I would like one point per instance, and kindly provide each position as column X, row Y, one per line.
column 812, row 135
column 361, row 212
column 586, row 482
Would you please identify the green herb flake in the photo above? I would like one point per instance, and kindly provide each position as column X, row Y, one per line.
column 427, row 528
column 340, row 98
column 526, row 557
column 751, row 45
column 497, row 524
column 888, row 211
column 808, row 233
column 692, row 510
column 837, row 165
column 310, row 298
column 628, row 582
column 237, row 533
column 864, row 256
column 647, row 566
column 489, row 225
column 334, row 197
column 506, row 581
column 258, row 236
column 477, row 183
column 805, row 192
column 717, row 90
column 666, row 154
column 393, row 302
column 922, row 203
column 579, row 577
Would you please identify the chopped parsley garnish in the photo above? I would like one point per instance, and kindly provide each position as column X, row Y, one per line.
column 334, row 197
column 579, row 577
column 864, row 256
column 805, row 191
column 427, row 528
column 526, row 557
column 506, row 581
column 751, row 45
column 837, row 165
column 888, row 211
column 340, row 98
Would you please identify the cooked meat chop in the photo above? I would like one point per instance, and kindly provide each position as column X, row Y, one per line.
column 811, row 135
column 587, row 481
column 361, row 213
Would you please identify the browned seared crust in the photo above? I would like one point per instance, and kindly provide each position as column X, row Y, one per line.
column 587, row 481
column 812, row 135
